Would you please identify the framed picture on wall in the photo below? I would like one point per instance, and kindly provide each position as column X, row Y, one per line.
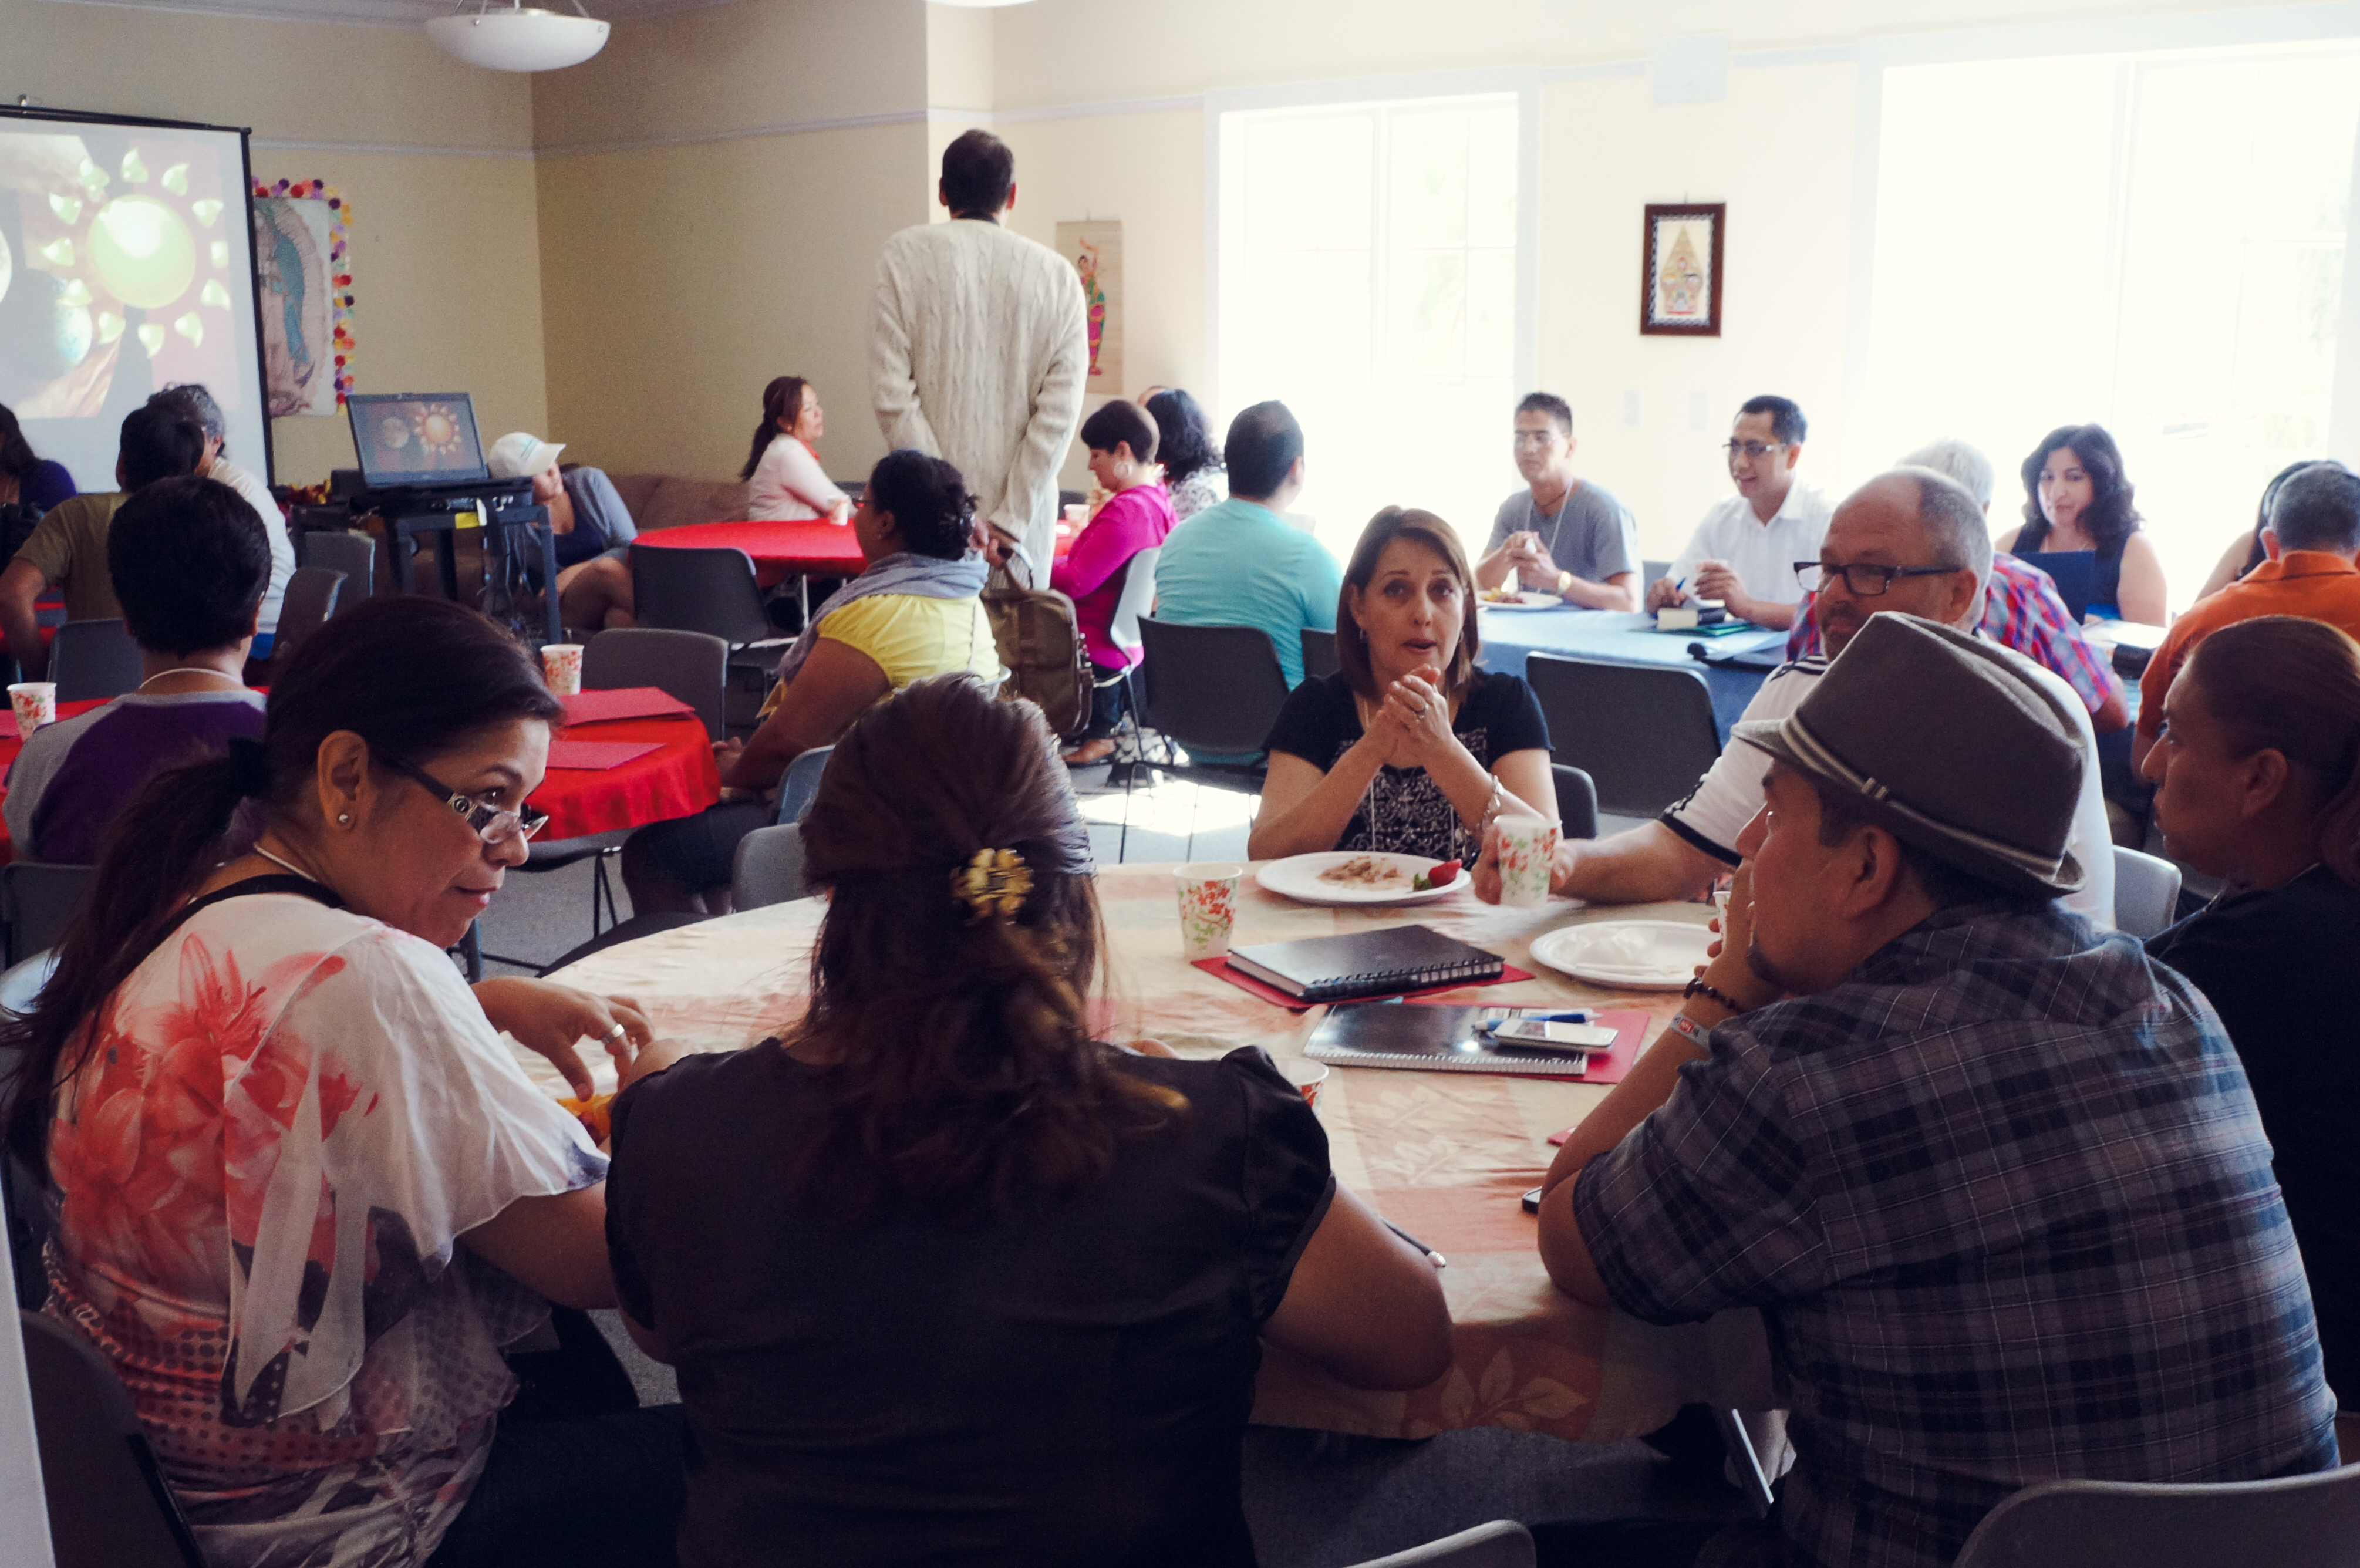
column 1679, row 270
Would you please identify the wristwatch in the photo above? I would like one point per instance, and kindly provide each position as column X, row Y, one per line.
column 1564, row 581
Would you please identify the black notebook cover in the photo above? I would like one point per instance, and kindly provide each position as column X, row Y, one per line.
column 1365, row 964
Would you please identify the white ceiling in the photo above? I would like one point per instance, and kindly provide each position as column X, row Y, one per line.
column 388, row 12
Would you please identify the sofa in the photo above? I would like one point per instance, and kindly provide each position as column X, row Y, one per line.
column 670, row 500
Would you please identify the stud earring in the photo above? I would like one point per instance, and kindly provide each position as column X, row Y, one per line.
column 344, row 818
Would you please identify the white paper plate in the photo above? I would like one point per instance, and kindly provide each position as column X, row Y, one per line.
column 1626, row 955
column 1297, row 877
column 1525, row 599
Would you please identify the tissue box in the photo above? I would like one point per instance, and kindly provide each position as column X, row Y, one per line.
column 1676, row 618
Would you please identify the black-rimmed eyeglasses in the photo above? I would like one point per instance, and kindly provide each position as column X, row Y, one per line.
column 493, row 824
column 1866, row 581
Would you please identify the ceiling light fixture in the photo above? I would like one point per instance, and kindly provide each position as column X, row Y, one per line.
column 516, row 37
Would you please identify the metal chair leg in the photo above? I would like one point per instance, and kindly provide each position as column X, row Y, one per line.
column 471, row 952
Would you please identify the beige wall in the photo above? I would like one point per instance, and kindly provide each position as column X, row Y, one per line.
column 445, row 266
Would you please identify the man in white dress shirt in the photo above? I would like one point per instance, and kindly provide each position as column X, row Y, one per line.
column 978, row 350
column 1743, row 553
column 1910, row 541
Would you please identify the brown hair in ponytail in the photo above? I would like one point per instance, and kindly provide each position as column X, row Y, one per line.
column 781, row 399
column 415, row 677
column 954, row 1047
column 2285, row 684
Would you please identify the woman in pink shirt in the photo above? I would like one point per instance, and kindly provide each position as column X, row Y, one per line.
column 784, row 481
column 1121, row 441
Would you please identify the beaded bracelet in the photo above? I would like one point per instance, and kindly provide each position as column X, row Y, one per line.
column 1697, row 987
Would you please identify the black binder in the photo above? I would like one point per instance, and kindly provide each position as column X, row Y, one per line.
column 1366, row 963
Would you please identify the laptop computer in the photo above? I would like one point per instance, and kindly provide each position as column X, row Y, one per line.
column 408, row 440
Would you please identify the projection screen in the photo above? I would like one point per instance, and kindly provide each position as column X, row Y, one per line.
column 127, row 264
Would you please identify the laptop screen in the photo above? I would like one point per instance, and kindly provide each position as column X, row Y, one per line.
column 416, row 437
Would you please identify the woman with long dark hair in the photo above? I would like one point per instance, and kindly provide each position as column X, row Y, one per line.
column 304, row 1193
column 1408, row 748
column 2257, row 783
column 784, row 481
column 915, row 610
column 1191, row 463
column 25, row 477
column 984, row 1289
column 2077, row 503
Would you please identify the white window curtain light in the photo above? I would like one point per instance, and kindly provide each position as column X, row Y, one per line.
column 1375, row 274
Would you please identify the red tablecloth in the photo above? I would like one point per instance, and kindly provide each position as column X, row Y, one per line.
column 10, row 744
column 815, row 548
column 678, row 781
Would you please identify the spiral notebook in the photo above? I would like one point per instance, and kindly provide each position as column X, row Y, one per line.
column 1366, row 963
column 1427, row 1037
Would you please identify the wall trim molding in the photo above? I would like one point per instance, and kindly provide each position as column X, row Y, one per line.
column 385, row 149
column 747, row 132
column 369, row 13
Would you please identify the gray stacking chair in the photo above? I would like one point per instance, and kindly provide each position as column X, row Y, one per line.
column 352, row 554
column 94, row 659
column 2146, row 892
column 2297, row 1521
column 1214, row 691
column 108, row 1504
column 711, row 591
column 1577, row 803
column 1319, row 654
column 690, row 666
column 768, row 867
column 1643, row 734
column 1502, row 1543
column 313, row 594
column 800, row 786
column 37, row 899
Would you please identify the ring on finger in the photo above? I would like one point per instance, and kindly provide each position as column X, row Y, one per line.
column 615, row 1033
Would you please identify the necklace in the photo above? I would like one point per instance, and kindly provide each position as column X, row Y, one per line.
column 277, row 860
column 192, row 670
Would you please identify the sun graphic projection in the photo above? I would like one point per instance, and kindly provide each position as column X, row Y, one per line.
column 438, row 430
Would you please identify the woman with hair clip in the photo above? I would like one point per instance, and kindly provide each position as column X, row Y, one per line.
column 784, row 481
column 915, row 610
column 1408, row 748
column 984, row 1287
column 304, row 1193
column 2257, row 783
column 2077, row 501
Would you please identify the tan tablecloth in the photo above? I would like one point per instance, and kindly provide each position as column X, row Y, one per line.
column 1444, row 1156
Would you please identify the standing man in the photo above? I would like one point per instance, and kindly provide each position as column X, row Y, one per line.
column 978, row 351
column 1561, row 535
column 1743, row 553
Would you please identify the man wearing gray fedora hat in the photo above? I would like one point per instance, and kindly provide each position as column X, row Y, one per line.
column 1910, row 541
column 1995, row 1179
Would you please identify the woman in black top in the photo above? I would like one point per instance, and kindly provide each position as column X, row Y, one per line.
column 2257, row 777
column 1408, row 748
column 946, row 1280
column 2077, row 500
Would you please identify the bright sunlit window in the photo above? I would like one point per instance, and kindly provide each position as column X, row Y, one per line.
column 2156, row 245
column 1375, row 274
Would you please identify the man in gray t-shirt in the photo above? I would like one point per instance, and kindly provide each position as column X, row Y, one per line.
column 1561, row 535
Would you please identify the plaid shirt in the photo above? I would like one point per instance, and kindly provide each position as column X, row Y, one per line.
column 2022, row 611
column 2005, row 1202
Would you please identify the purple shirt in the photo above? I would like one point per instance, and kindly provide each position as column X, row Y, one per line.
column 72, row 778
column 1092, row 574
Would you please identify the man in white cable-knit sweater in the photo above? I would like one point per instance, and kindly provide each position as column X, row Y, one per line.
column 977, row 349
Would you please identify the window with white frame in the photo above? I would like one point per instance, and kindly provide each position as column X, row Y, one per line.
column 1376, row 266
column 2155, row 244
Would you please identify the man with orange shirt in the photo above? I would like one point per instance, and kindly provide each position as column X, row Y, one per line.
column 2313, row 542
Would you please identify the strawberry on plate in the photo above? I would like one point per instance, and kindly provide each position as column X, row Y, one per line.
column 1440, row 876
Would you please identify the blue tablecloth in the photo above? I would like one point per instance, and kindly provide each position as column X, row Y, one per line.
column 1510, row 637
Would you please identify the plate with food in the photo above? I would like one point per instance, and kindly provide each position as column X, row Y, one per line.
column 1517, row 599
column 1361, row 876
column 1626, row 955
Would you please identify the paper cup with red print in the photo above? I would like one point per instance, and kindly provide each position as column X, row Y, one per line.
column 561, row 662
column 1527, row 846
column 1208, row 908
column 36, row 703
column 1307, row 1075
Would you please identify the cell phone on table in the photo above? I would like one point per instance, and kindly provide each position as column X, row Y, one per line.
column 1533, row 1200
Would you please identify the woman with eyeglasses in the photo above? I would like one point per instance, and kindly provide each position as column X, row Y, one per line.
column 305, row 1195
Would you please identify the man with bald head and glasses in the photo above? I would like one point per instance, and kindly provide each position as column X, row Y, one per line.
column 1742, row 553
column 1910, row 541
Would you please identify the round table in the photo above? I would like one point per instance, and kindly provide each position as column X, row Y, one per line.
column 811, row 547
column 677, row 779
column 1444, row 1156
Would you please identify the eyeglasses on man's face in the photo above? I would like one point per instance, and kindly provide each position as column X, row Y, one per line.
column 1541, row 439
column 1865, row 580
column 494, row 824
column 1757, row 450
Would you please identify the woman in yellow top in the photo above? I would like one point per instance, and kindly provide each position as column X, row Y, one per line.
column 914, row 611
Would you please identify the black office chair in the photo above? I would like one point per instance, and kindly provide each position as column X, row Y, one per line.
column 109, row 1506
column 1319, row 654
column 340, row 549
column 1643, row 734
column 1213, row 692
column 711, row 591
column 313, row 594
column 1577, row 803
column 94, row 659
